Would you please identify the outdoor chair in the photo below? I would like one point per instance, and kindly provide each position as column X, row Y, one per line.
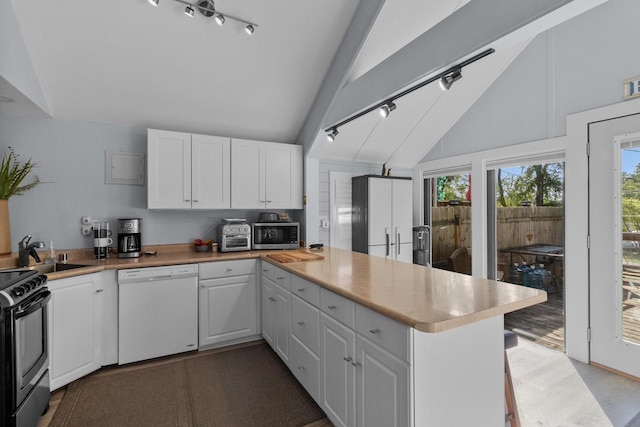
column 460, row 261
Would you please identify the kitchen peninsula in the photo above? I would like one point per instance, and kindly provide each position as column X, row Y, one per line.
column 424, row 345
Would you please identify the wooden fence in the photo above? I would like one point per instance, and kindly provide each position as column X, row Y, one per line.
column 517, row 226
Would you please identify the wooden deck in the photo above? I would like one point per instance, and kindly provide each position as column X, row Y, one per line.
column 544, row 323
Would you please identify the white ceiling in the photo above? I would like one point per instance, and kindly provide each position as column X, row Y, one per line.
column 126, row 62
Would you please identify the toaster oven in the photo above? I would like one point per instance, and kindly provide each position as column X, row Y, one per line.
column 275, row 235
column 234, row 237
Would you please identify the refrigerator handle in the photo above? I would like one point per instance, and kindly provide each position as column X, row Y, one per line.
column 388, row 242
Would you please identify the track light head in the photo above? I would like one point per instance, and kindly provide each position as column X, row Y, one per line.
column 249, row 29
column 331, row 136
column 219, row 19
column 154, row 2
column 189, row 11
column 447, row 81
column 387, row 108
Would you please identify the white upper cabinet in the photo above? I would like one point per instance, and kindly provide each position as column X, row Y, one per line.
column 188, row 171
column 265, row 175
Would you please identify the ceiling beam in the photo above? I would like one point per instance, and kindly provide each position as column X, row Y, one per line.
column 478, row 25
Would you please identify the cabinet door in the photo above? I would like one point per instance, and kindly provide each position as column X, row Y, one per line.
column 75, row 328
column 337, row 352
column 268, row 299
column 168, row 170
column 382, row 387
column 247, row 174
column 380, row 211
column 227, row 309
column 283, row 176
column 211, row 172
column 283, row 323
column 402, row 211
column 403, row 252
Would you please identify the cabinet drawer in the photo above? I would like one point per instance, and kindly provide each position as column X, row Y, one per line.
column 277, row 275
column 310, row 292
column 306, row 367
column 218, row 269
column 387, row 333
column 305, row 323
column 338, row 307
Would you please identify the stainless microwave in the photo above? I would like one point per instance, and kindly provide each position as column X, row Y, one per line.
column 275, row 235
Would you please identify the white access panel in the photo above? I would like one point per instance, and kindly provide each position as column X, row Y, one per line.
column 158, row 312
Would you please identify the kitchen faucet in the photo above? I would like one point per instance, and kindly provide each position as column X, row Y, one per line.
column 26, row 249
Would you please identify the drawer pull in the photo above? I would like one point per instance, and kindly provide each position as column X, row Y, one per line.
column 265, row 270
column 301, row 368
column 300, row 289
column 347, row 359
column 300, row 323
column 374, row 331
column 332, row 307
column 356, row 364
column 272, row 299
column 99, row 290
column 229, row 269
column 280, row 278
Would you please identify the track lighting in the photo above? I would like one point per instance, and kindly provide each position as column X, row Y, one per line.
column 447, row 81
column 331, row 136
column 387, row 108
column 447, row 78
column 207, row 9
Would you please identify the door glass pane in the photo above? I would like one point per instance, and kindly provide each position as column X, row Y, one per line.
column 630, row 241
column 529, row 248
column 450, row 209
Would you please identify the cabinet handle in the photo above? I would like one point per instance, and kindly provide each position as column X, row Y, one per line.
column 301, row 368
column 374, row 331
column 272, row 299
column 387, row 242
column 279, row 278
column 356, row 364
column 187, row 200
column 398, row 243
column 300, row 323
column 331, row 307
column 300, row 289
column 229, row 270
column 99, row 290
column 195, row 201
column 265, row 270
column 347, row 359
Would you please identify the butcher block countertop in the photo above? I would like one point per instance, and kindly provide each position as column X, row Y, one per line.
column 427, row 299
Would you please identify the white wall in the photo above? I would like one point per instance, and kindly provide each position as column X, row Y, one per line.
column 576, row 66
column 71, row 158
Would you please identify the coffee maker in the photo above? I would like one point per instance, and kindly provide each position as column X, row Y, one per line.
column 129, row 237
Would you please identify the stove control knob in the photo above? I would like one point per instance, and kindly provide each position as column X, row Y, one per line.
column 17, row 292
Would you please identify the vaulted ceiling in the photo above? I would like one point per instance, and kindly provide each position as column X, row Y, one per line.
column 126, row 62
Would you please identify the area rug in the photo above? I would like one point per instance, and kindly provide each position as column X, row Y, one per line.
column 242, row 387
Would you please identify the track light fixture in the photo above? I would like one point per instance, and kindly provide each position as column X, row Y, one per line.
column 447, row 81
column 447, row 78
column 207, row 9
column 387, row 108
column 331, row 136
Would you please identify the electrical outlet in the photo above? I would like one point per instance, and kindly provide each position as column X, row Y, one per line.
column 86, row 230
column 86, row 220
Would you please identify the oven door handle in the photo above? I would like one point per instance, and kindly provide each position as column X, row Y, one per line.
column 34, row 305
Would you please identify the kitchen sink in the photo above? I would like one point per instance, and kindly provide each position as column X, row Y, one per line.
column 53, row 268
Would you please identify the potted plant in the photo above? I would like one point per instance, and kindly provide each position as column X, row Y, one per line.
column 13, row 172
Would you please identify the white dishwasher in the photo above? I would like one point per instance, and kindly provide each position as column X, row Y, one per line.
column 157, row 312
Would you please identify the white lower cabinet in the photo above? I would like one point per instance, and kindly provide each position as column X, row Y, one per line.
column 338, row 385
column 276, row 309
column 228, row 302
column 75, row 328
column 382, row 387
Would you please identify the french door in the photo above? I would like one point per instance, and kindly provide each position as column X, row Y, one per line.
column 614, row 255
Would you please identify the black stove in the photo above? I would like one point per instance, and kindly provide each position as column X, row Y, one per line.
column 18, row 285
column 24, row 357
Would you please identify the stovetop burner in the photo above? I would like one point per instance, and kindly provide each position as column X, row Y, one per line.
column 17, row 285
